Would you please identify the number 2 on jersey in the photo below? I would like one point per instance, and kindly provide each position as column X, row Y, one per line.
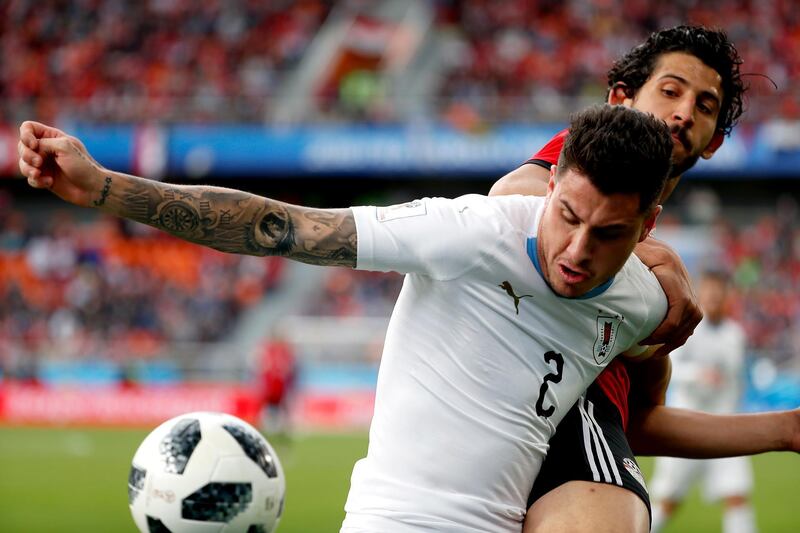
column 554, row 377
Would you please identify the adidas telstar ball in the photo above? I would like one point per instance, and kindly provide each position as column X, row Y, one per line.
column 203, row 472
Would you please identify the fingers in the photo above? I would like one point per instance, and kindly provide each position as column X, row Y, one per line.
column 30, row 132
column 34, row 175
column 665, row 350
column 29, row 156
column 29, row 162
column 676, row 328
column 670, row 333
column 49, row 146
column 41, row 182
column 36, row 142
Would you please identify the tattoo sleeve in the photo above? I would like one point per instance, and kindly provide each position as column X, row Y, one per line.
column 235, row 221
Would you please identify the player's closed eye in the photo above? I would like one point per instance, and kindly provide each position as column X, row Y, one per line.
column 608, row 234
column 569, row 218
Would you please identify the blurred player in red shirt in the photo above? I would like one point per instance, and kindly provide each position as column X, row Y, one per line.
column 277, row 374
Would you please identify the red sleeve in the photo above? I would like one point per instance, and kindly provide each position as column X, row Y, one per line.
column 549, row 153
column 616, row 384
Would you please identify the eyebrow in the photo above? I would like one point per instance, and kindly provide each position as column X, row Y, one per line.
column 565, row 205
column 610, row 227
column 705, row 93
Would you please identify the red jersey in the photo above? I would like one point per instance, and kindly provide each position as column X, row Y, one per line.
column 277, row 371
column 614, row 379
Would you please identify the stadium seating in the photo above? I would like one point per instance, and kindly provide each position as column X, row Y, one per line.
column 497, row 61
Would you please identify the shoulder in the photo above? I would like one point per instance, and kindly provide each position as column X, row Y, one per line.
column 462, row 219
column 516, row 210
column 550, row 151
column 644, row 292
column 641, row 278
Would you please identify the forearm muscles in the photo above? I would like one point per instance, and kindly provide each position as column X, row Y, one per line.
column 233, row 221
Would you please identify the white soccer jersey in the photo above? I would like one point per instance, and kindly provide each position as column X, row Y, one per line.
column 708, row 371
column 481, row 362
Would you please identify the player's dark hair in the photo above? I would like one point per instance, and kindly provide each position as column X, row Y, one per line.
column 711, row 46
column 620, row 150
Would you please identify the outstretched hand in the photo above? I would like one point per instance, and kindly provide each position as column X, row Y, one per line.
column 683, row 313
column 51, row 159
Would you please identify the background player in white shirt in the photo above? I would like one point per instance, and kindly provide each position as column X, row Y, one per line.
column 511, row 306
column 708, row 374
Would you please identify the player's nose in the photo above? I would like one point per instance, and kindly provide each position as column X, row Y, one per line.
column 580, row 247
column 683, row 113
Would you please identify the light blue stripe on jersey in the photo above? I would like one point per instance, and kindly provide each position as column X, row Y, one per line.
column 597, row 291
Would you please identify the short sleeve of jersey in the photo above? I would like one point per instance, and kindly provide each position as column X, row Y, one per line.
column 654, row 301
column 548, row 154
column 438, row 237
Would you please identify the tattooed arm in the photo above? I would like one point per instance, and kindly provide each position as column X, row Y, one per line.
column 224, row 219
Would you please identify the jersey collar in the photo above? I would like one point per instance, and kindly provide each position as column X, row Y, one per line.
column 534, row 256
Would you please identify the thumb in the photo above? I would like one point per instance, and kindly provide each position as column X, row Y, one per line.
column 54, row 146
column 31, row 131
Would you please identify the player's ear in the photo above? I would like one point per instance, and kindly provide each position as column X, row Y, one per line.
column 650, row 223
column 620, row 94
column 551, row 183
column 713, row 145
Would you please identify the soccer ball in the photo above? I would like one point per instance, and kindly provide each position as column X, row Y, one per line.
column 203, row 472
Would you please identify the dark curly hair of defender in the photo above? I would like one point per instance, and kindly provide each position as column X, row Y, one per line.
column 711, row 46
column 620, row 150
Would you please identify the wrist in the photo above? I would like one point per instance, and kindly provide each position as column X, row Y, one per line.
column 791, row 437
column 100, row 189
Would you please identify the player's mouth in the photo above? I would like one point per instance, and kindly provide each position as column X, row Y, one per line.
column 676, row 139
column 571, row 275
column 678, row 135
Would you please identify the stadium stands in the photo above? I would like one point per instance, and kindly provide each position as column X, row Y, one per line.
column 496, row 61
column 149, row 61
column 82, row 290
column 519, row 60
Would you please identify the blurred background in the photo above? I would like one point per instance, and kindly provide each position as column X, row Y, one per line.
column 108, row 328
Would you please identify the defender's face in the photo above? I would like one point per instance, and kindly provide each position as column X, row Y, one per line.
column 585, row 237
column 686, row 94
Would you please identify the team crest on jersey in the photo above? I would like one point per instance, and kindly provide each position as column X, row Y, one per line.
column 633, row 469
column 607, row 327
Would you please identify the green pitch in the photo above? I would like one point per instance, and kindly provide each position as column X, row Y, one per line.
column 70, row 480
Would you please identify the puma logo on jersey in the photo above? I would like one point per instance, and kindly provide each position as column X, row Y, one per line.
column 506, row 286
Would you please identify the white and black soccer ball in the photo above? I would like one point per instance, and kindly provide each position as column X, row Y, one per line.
column 204, row 472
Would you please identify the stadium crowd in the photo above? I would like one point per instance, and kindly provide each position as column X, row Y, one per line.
column 764, row 259
column 149, row 61
column 520, row 58
column 99, row 289
column 182, row 61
